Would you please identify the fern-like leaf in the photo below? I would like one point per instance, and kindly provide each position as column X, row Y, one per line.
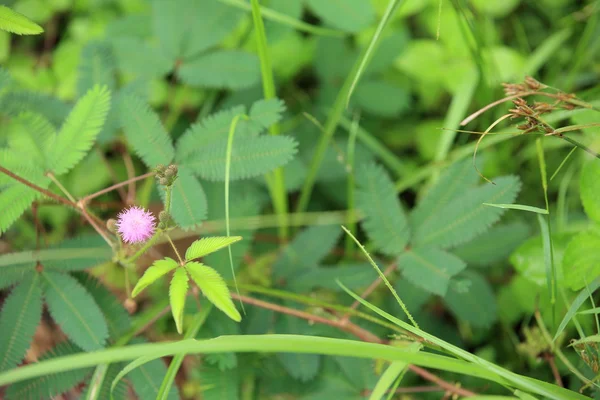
column 218, row 385
column 188, row 200
column 207, row 245
column 97, row 67
column 214, row 288
column 53, row 109
column 430, row 268
column 117, row 318
column 177, row 293
column 51, row 385
column 19, row 318
column 211, row 129
column 227, row 69
column 250, row 157
column 83, row 251
column 156, row 270
column 79, row 132
column 453, row 183
column 32, row 136
column 477, row 305
column 306, row 251
column 14, row 22
column 119, row 392
column 14, row 201
column 385, row 221
column 145, row 132
column 267, row 112
column 74, row 309
column 13, row 274
column 466, row 216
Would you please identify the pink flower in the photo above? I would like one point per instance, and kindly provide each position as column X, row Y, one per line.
column 135, row 224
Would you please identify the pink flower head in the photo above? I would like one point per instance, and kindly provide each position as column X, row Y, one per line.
column 135, row 224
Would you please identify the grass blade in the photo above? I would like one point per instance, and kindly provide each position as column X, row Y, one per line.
column 521, row 207
column 579, row 300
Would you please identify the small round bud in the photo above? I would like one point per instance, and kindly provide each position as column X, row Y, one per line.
column 164, row 216
column 171, row 171
column 160, row 168
column 130, row 305
column 163, row 181
column 111, row 225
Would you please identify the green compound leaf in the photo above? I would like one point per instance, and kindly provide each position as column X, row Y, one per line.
column 581, row 261
column 590, row 189
column 144, row 131
column 83, row 253
column 51, row 385
column 14, row 201
column 53, row 109
column 32, row 135
column 267, row 112
column 208, row 245
column 347, row 15
column 156, row 270
column 188, row 200
column 14, row 22
column 97, row 67
column 222, row 69
column 251, row 157
column 466, row 216
column 177, row 293
column 430, row 268
column 19, row 318
column 385, row 222
column 217, row 384
column 79, row 131
column 214, row 288
column 74, row 309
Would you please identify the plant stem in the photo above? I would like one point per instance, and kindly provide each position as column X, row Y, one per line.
column 116, row 186
column 175, row 249
column 39, row 189
column 145, row 247
column 351, row 221
column 168, row 193
column 579, row 144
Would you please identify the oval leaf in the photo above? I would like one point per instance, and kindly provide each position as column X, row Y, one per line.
column 74, row 309
column 208, row 245
column 214, row 288
column 177, row 292
column 156, row 270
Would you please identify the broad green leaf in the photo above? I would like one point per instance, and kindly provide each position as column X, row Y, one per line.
column 79, row 131
column 188, row 200
column 382, row 98
column 475, row 305
column 452, row 183
column 156, row 270
column 177, row 293
column 250, row 157
column 306, row 251
column 145, row 132
column 385, row 222
column 581, row 261
column 581, row 298
column 528, row 258
column 97, row 67
column 221, row 69
column 209, row 130
column 51, row 385
column 148, row 61
column 185, row 28
column 590, row 189
column 74, row 309
column 430, row 268
column 347, row 15
column 466, row 216
column 214, row 288
column 493, row 246
column 117, row 318
column 207, row 245
column 14, row 22
column 19, row 319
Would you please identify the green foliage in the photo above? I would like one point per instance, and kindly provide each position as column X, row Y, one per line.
column 145, row 132
column 75, row 310
column 97, row 67
column 590, row 189
column 528, row 258
column 52, row 385
column 463, row 218
column 146, row 379
column 14, row 201
column 51, row 108
column 350, row 16
column 19, row 317
column 217, row 384
column 207, row 245
column 250, row 157
column 156, row 270
column 78, row 253
column 79, row 131
column 14, row 22
column 385, row 221
column 477, row 305
column 581, row 261
column 430, row 268
column 188, row 200
column 214, row 288
column 177, row 294
column 225, row 69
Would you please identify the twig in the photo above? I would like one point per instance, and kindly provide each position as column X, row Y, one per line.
column 35, row 187
column 355, row 330
column 112, row 173
column 550, row 358
column 115, row 186
column 130, row 175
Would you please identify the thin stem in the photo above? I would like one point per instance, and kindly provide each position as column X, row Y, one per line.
column 130, row 175
column 116, row 186
column 145, row 247
column 351, row 223
column 168, row 192
column 579, row 144
column 33, row 186
column 61, row 187
column 175, row 249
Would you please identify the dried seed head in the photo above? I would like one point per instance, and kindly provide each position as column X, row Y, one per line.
column 534, row 84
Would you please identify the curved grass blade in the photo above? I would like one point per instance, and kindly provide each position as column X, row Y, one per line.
column 521, row 207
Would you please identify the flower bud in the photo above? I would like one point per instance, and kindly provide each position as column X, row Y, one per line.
column 163, row 181
column 164, row 216
column 171, row 171
column 111, row 225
